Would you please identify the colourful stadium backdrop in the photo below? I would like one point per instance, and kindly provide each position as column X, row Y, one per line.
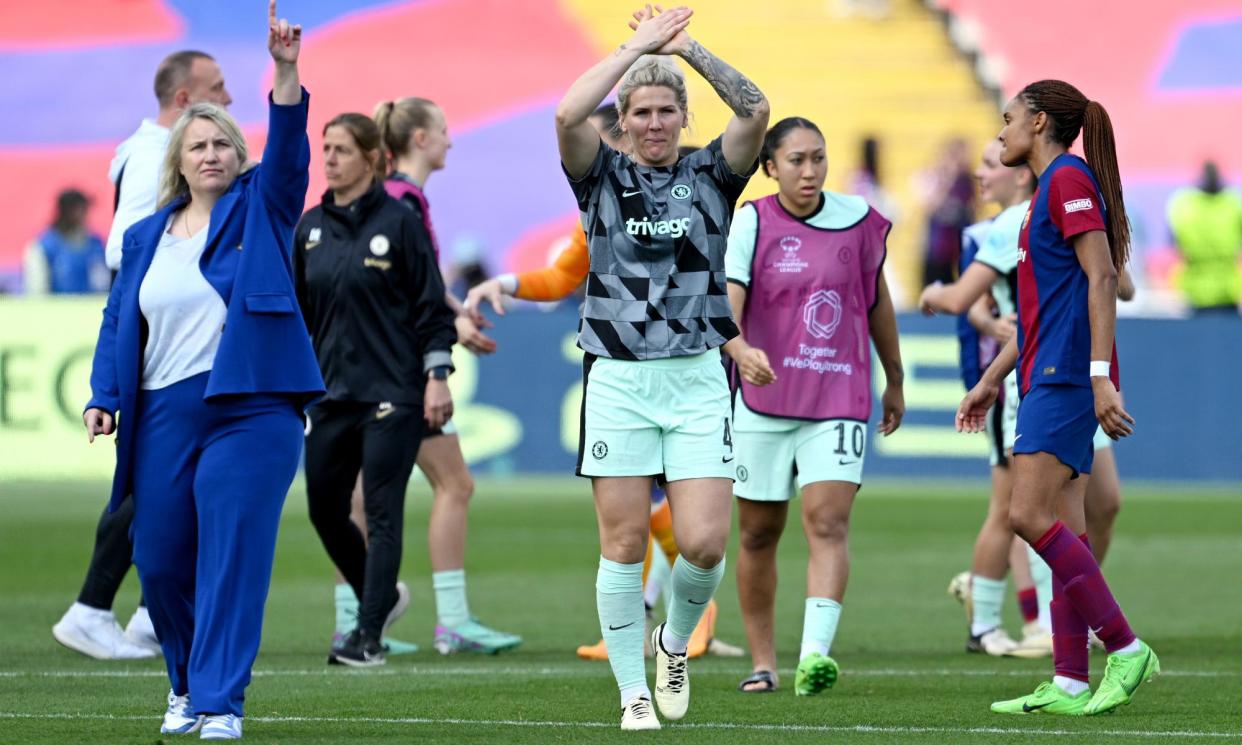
column 1171, row 76
column 76, row 87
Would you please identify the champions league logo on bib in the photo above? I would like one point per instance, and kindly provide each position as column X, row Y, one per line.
column 790, row 263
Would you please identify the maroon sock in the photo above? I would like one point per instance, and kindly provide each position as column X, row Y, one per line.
column 1028, row 601
column 1083, row 586
column 1069, row 637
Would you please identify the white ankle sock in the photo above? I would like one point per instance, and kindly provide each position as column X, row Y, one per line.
column 1072, row 686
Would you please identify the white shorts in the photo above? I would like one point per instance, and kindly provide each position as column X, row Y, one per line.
column 776, row 457
column 1002, row 422
column 668, row 418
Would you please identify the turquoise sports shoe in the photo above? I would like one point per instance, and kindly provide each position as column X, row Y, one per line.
column 473, row 636
column 396, row 646
column 1123, row 674
column 1048, row 698
column 816, row 672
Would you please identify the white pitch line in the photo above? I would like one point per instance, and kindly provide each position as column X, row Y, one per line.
column 576, row 671
column 756, row 727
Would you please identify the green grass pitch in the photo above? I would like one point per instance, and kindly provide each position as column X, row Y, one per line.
column 531, row 567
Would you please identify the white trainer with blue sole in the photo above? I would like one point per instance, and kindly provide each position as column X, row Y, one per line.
column 221, row 727
column 179, row 718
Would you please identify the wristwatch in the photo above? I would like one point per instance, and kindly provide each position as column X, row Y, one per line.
column 440, row 372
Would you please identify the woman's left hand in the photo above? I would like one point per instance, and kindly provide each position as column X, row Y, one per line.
column 1109, row 410
column 679, row 43
column 284, row 41
column 437, row 403
column 925, row 299
column 471, row 337
column 894, row 406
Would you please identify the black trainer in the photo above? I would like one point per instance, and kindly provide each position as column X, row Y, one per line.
column 358, row 650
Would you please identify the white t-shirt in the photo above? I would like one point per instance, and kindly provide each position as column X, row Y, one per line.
column 999, row 250
column 185, row 315
column 140, row 158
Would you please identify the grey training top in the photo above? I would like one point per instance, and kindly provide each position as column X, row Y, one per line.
column 657, row 237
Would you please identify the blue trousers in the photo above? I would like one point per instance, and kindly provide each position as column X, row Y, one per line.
column 209, row 484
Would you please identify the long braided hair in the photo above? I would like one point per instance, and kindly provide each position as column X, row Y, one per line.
column 1070, row 113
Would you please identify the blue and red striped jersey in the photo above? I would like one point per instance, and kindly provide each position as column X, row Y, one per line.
column 1054, row 326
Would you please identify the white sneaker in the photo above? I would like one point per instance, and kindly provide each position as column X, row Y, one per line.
column 672, row 689
column 996, row 643
column 638, row 714
column 221, row 727
column 141, row 632
column 399, row 608
column 179, row 718
column 1036, row 642
column 95, row 633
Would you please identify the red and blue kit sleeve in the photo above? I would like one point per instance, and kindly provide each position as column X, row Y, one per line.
column 1074, row 203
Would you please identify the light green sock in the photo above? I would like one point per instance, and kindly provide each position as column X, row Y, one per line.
column 1042, row 575
column 346, row 608
column 452, row 610
column 819, row 626
column 623, row 623
column 693, row 588
column 987, row 596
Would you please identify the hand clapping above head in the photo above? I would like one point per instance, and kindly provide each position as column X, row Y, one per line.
column 659, row 31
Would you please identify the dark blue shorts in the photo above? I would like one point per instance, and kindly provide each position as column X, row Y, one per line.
column 1058, row 419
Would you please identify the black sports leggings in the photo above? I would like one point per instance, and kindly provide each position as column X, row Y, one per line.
column 112, row 558
column 382, row 440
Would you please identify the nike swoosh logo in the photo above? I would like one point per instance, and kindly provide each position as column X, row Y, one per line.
column 1131, row 689
column 383, row 413
column 691, row 602
column 618, row 628
column 844, row 462
column 1019, row 437
column 822, row 605
column 1028, row 708
column 631, row 193
column 725, row 460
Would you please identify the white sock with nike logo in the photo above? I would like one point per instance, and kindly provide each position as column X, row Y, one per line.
column 819, row 626
column 693, row 588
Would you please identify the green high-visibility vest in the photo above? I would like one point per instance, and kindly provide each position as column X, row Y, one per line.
column 1208, row 230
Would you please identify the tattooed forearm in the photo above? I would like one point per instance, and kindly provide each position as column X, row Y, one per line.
column 620, row 51
column 734, row 88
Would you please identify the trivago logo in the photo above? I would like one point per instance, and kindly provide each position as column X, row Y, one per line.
column 675, row 228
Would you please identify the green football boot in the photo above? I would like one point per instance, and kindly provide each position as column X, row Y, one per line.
column 1048, row 698
column 816, row 672
column 1123, row 674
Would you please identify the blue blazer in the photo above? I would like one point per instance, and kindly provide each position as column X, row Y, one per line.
column 264, row 347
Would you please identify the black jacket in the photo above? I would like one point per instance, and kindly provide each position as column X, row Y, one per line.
column 372, row 297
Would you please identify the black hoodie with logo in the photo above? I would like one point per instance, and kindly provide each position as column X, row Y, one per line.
column 372, row 297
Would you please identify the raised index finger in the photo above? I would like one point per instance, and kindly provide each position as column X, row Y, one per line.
column 271, row 13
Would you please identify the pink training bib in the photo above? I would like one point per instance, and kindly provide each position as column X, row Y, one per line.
column 811, row 291
column 398, row 188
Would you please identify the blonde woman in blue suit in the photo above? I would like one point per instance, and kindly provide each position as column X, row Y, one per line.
column 204, row 354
